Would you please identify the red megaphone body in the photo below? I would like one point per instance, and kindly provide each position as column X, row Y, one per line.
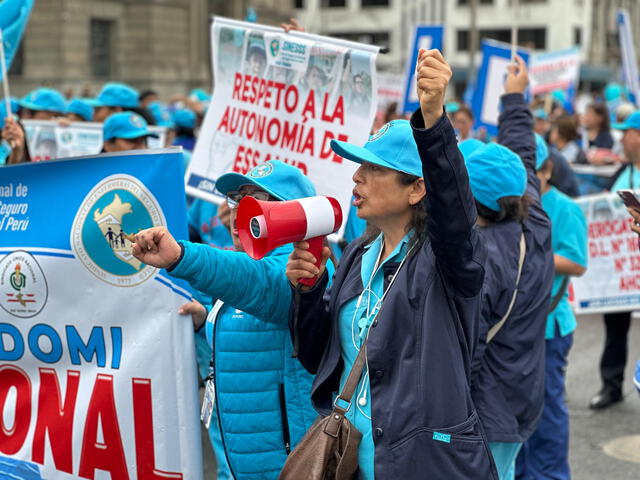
column 263, row 225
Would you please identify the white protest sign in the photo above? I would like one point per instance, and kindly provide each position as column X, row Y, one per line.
column 612, row 281
column 282, row 96
column 48, row 139
column 554, row 70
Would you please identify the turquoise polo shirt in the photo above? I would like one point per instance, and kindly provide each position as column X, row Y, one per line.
column 569, row 240
column 354, row 321
column 628, row 179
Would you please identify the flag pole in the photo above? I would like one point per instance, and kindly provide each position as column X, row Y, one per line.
column 514, row 30
column 5, row 77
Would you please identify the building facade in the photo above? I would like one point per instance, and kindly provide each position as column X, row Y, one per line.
column 78, row 45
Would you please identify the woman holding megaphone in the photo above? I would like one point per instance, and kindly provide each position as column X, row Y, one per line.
column 391, row 342
column 262, row 394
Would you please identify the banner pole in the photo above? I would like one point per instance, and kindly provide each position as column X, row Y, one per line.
column 514, row 30
column 5, row 77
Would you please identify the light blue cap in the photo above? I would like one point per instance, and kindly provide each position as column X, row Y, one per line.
column 161, row 114
column 45, row 99
column 392, row 147
column 199, row 95
column 116, row 95
column 185, row 118
column 282, row 181
column 470, row 145
column 126, row 125
column 452, row 107
column 559, row 96
column 631, row 122
column 495, row 172
column 613, row 91
column 81, row 108
column 542, row 151
column 540, row 113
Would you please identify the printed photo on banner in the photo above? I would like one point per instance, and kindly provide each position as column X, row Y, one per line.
column 612, row 282
column 424, row 37
column 485, row 104
column 97, row 376
column 283, row 96
column 49, row 140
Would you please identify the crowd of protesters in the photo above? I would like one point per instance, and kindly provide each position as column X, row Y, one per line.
column 461, row 250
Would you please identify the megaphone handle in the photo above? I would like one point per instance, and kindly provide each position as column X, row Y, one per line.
column 315, row 247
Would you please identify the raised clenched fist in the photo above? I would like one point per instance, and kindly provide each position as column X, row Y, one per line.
column 432, row 77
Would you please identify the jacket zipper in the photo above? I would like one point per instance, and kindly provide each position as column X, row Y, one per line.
column 217, row 405
column 286, row 437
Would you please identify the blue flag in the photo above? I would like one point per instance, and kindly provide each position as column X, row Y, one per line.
column 14, row 15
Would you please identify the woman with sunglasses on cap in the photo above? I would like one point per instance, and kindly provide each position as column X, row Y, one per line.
column 262, row 394
column 411, row 290
column 507, row 381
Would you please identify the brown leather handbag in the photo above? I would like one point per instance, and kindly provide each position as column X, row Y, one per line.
column 329, row 449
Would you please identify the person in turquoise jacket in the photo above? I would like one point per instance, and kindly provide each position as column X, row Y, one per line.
column 262, row 394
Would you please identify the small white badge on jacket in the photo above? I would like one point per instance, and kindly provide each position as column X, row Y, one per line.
column 207, row 404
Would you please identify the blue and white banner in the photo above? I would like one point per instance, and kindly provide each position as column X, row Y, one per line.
column 612, row 282
column 496, row 56
column 629, row 59
column 97, row 370
column 428, row 37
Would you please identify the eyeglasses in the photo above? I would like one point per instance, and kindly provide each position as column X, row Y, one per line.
column 234, row 197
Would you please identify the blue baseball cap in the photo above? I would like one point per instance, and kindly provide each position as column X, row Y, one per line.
column 126, row 125
column 185, row 118
column 161, row 114
column 116, row 95
column 539, row 113
column 282, row 181
column 631, row 122
column 81, row 108
column 613, row 91
column 199, row 95
column 452, row 107
column 495, row 172
column 45, row 99
column 542, row 151
column 470, row 145
column 392, row 147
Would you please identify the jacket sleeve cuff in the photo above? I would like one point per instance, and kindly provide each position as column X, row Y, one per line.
column 512, row 99
column 438, row 129
column 177, row 262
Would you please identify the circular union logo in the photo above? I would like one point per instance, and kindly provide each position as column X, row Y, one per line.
column 66, row 137
column 380, row 132
column 261, row 170
column 23, row 286
column 101, row 235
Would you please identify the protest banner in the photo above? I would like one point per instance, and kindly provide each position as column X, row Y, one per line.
column 612, row 281
column 389, row 90
column 426, row 37
column 628, row 53
column 48, row 139
column 97, row 370
column 551, row 71
column 496, row 56
column 284, row 96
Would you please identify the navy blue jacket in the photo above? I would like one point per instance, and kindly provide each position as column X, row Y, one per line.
column 420, row 347
column 508, row 374
column 563, row 177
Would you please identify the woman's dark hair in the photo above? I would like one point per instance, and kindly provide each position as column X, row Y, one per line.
column 184, row 132
column 144, row 113
column 511, row 208
column 567, row 127
column 601, row 110
column 418, row 221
